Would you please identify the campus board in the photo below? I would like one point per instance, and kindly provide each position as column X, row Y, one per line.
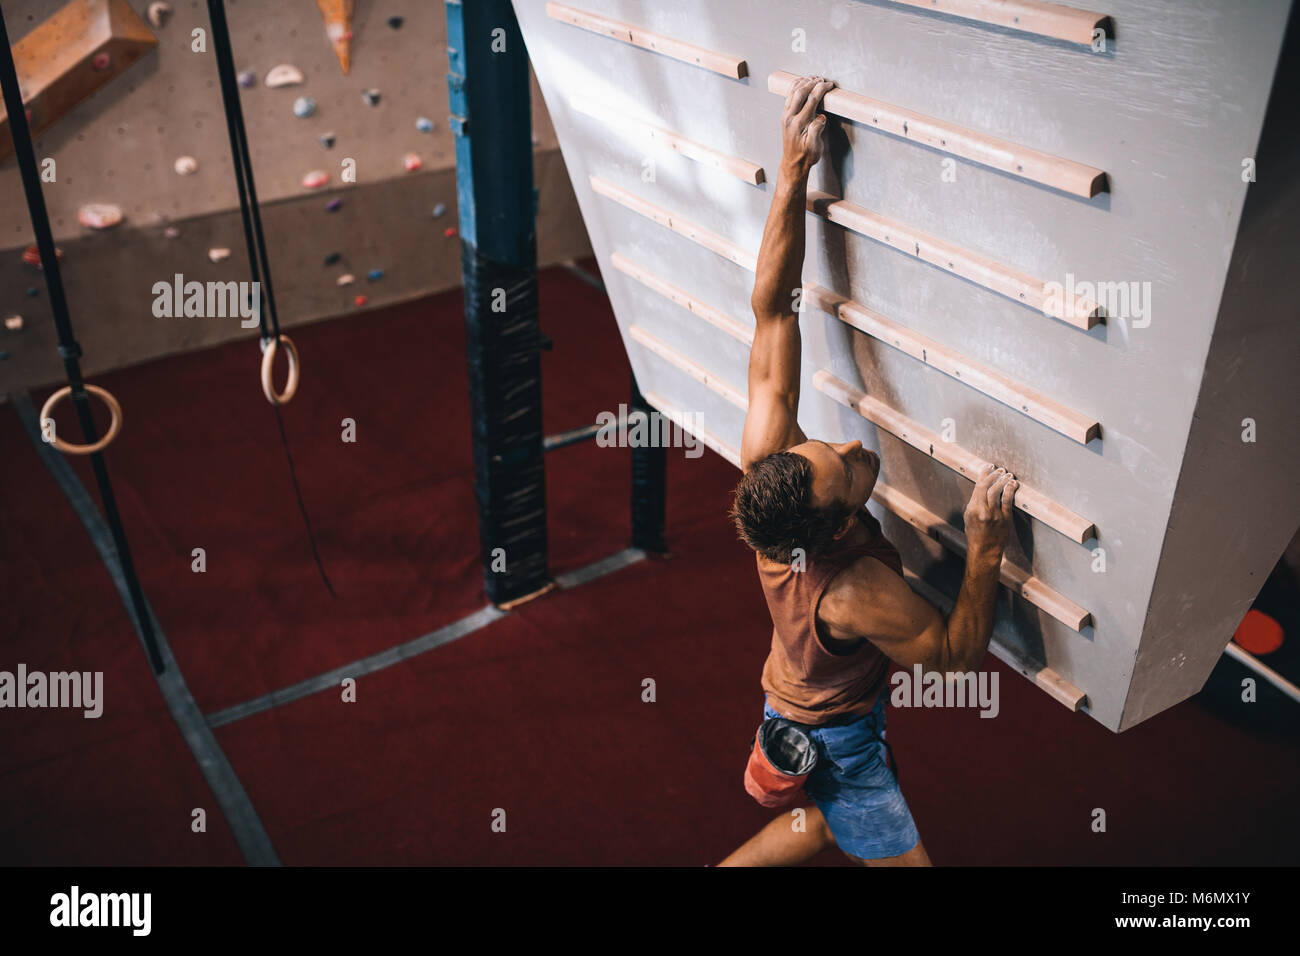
column 962, row 187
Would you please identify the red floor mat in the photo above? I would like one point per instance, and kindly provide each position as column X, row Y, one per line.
column 539, row 714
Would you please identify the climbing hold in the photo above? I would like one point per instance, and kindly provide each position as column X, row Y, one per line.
column 3, row 355
column 303, row 107
column 327, row 140
column 449, row 231
column 411, row 162
column 171, row 232
column 346, row 279
column 374, row 275
column 315, row 179
column 283, row 75
column 332, row 258
column 186, row 166
column 371, row 97
column 439, row 210
column 334, row 205
column 32, row 292
column 247, row 78
column 98, row 215
column 396, row 22
column 360, row 300
column 424, row 124
column 338, row 27
column 217, row 254
column 536, row 141
column 13, row 322
column 101, row 61
column 158, row 13
column 32, row 255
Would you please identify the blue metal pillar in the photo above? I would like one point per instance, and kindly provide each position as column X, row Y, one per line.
column 488, row 87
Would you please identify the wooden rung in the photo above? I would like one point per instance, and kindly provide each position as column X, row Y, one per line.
column 684, row 299
column 711, row 440
column 1045, row 678
column 721, row 63
column 1027, row 16
column 969, row 144
column 969, row 465
column 1025, row 289
column 979, row 377
column 742, row 169
column 705, row 237
column 1013, row 578
column 694, row 370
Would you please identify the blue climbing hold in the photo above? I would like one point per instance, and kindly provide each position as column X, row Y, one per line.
column 424, row 124
column 303, row 107
column 374, row 274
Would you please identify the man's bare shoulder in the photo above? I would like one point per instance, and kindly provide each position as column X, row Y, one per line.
column 864, row 584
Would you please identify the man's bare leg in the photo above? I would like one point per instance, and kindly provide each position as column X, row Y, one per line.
column 780, row 844
column 913, row 857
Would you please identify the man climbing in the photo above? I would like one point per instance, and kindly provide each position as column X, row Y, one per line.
column 840, row 607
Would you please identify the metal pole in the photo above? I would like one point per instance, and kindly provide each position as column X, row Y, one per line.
column 488, row 87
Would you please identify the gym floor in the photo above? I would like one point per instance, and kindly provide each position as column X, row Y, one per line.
column 538, row 712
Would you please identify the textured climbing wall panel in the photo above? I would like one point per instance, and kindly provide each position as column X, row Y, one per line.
column 1019, row 251
column 119, row 145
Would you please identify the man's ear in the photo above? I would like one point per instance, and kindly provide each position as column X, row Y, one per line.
column 846, row 527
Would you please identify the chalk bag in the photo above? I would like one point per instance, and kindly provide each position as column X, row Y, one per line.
column 783, row 757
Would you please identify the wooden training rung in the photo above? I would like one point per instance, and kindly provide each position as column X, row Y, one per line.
column 1028, row 16
column 1013, row 578
column 1028, row 587
column 969, row 144
column 682, row 298
column 979, row 377
column 1045, row 678
column 995, row 276
column 694, row 370
column 696, row 233
column 704, row 435
column 721, row 63
column 969, row 465
column 742, row 169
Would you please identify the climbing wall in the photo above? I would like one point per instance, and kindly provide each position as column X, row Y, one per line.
column 120, row 144
column 1023, row 247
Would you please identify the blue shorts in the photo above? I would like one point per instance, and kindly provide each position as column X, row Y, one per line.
column 856, row 790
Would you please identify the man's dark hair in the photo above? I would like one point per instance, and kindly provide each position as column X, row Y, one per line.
column 775, row 514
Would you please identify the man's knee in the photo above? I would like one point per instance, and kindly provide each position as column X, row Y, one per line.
column 818, row 827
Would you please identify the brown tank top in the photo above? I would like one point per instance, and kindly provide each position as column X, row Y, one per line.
column 804, row 680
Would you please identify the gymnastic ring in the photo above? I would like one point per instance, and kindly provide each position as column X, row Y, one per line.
column 114, row 426
column 269, row 349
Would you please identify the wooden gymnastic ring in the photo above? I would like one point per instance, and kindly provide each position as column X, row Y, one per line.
column 269, row 349
column 114, row 426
